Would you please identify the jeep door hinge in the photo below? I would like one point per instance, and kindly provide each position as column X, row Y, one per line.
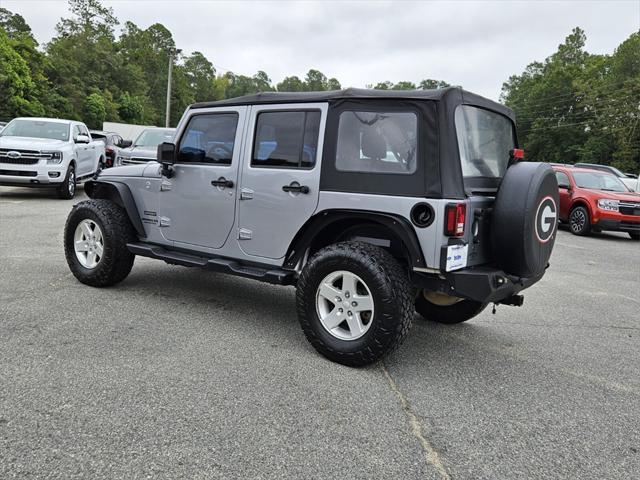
column 244, row 234
column 246, row 194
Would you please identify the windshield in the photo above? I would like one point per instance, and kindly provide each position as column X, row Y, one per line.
column 36, row 129
column 485, row 139
column 599, row 181
column 154, row 137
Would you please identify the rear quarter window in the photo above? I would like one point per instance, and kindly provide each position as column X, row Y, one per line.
column 377, row 142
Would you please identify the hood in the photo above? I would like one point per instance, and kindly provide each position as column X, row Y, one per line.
column 124, row 171
column 28, row 143
column 622, row 196
column 143, row 152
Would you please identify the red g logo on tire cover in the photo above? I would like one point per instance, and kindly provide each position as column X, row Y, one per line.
column 546, row 219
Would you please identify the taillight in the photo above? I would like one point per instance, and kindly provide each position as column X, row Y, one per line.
column 455, row 214
column 109, row 150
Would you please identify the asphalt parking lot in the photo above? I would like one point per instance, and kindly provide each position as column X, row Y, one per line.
column 181, row 373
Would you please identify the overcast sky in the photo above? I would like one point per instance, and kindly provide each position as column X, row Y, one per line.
column 476, row 44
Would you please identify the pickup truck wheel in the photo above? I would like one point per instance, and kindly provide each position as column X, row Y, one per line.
column 95, row 243
column 354, row 302
column 67, row 189
column 444, row 309
column 579, row 221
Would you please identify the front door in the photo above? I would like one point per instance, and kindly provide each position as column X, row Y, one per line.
column 83, row 152
column 564, row 193
column 197, row 204
column 280, row 177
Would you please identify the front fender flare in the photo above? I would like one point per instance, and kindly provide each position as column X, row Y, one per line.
column 120, row 194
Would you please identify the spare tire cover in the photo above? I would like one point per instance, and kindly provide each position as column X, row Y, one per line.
column 525, row 219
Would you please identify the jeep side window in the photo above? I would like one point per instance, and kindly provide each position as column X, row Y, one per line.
column 377, row 142
column 286, row 139
column 209, row 138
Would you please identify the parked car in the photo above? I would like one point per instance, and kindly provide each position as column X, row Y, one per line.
column 631, row 180
column 113, row 144
column 374, row 204
column 593, row 200
column 145, row 147
column 48, row 152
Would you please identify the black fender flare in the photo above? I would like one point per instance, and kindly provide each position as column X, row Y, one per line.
column 399, row 225
column 120, row 194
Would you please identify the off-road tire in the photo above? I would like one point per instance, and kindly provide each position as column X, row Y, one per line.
column 579, row 228
column 451, row 314
column 634, row 235
column 117, row 260
column 392, row 295
column 64, row 190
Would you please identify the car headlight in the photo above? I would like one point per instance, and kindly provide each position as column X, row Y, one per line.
column 56, row 157
column 608, row 204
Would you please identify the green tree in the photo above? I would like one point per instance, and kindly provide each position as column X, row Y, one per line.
column 95, row 111
column 17, row 88
column 431, row 84
column 404, row 86
column 291, row 84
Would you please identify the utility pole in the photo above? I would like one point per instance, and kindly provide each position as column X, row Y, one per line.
column 172, row 54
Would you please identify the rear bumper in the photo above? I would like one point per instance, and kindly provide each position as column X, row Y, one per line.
column 618, row 225
column 482, row 284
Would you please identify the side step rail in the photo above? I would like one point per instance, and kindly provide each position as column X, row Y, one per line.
column 276, row 276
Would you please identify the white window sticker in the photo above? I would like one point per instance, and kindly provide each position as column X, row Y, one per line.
column 456, row 257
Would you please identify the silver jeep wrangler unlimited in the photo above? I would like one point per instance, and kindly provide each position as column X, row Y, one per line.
column 374, row 204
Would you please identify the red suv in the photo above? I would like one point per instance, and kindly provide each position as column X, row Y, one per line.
column 592, row 201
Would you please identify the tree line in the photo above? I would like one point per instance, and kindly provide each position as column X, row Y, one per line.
column 573, row 106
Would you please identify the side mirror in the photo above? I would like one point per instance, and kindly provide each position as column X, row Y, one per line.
column 167, row 157
column 125, row 144
column 82, row 139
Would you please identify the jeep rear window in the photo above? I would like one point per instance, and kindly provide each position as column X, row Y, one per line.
column 377, row 142
column 484, row 139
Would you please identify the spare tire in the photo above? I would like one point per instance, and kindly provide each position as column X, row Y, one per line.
column 525, row 219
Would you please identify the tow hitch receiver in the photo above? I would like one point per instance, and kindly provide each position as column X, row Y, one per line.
column 513, row 300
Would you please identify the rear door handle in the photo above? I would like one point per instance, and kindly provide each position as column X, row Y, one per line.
column 296, row 188
column 222, row 182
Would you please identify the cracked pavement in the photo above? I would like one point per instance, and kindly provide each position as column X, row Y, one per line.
column 181, row 373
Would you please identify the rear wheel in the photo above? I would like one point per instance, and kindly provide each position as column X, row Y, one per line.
column 67, row 189
column 579, row 221
column 95, row 243
column 441, row 308
column 354, row 303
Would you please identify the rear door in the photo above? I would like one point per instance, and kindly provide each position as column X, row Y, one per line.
column 197, row 204
column 280, row 177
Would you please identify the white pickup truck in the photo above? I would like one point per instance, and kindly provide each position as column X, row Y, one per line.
column 48, row 152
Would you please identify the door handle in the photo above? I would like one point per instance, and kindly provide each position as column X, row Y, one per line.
column 222, row 182
column 295, row 187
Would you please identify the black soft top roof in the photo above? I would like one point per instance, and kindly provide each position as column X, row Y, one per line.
column 454, row 95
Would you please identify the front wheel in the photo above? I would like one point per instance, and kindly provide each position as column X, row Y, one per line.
column 354, row 303
column 67, row 189
column 579, row 221
column 95, row 243
column 441, row 308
